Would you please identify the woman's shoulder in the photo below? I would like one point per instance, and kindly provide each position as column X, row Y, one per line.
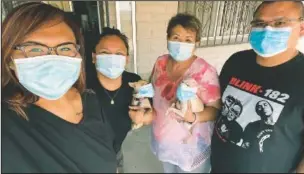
column 131, row 77
column 201, row 65
column 10, row 119
column 88, row 95
column 202, row 62
column 161, row 61
column 163, row 57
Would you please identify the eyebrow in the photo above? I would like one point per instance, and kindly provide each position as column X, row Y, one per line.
column 38, row 43
column 276, row 18
column 104, row 49
column 186, row 36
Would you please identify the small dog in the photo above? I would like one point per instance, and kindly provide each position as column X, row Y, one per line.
column 180, row 108
column 141, row 102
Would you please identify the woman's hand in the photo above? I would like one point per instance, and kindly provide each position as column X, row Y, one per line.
column 189, row 115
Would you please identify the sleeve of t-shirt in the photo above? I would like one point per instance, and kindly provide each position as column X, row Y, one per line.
column 209, row 87
column 137, row 77
column 232, row 62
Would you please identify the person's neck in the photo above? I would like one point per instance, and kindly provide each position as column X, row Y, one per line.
column 277, row 59
column 109, row 84
column 71, row 95
column 175, row 65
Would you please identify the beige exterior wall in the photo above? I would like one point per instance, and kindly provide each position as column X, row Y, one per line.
column 112, row 13
column 151, row 20
column 217, row 56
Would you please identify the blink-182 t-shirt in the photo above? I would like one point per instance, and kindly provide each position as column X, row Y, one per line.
column 261, row 124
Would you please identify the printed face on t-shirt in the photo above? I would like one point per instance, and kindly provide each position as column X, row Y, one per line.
column 264, row 109
column 231, row 108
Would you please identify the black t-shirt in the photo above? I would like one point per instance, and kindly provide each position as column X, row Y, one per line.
column 47, row 143
column 268, row 104
column 118, row 113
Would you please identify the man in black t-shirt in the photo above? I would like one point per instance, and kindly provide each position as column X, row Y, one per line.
column 268, row 83
column 110, row 81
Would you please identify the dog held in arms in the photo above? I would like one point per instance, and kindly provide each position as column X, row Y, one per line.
column 139, row 101
column 180, row 107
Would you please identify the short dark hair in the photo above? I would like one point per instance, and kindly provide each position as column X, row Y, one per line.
column 299, row 4
column 188, row 22
column 107, row 31
column 261, row 113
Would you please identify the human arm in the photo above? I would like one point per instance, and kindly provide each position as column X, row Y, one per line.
column 208, row 114
column 139, row 115
column 209, row 93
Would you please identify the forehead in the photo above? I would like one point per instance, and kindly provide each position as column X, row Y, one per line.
column 111, row 42
column 278, row 10
column 180, row 30
column 52, row 34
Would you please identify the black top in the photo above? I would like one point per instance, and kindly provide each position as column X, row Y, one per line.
column 118, row 113
column 267, row 103
column 47, row 143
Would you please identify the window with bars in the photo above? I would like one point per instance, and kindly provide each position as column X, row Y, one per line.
column 223, row 22
column 7, row 6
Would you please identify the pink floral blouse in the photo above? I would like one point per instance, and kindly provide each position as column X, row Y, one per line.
column 167, row 133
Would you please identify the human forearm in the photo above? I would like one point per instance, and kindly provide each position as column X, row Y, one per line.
column 209, row 113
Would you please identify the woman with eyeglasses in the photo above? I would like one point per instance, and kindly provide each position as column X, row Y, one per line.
column 50, row 123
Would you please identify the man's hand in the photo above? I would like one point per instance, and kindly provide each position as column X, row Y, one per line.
column 136, row 114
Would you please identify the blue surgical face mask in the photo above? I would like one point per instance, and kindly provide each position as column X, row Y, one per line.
column 268, row 42
column 111, row 65
column 185, row 93
column 49, row 76
column 146, row 91
column 180, row 51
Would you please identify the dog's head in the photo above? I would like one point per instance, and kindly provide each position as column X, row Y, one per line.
column 137, row 85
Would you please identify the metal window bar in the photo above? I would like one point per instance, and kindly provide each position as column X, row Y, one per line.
column 223, row 22
column 7, row 6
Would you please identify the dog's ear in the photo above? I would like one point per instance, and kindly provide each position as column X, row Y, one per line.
column 143, row 82
column 132, row 84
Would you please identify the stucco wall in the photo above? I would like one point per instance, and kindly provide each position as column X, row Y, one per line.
column 151, row 20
